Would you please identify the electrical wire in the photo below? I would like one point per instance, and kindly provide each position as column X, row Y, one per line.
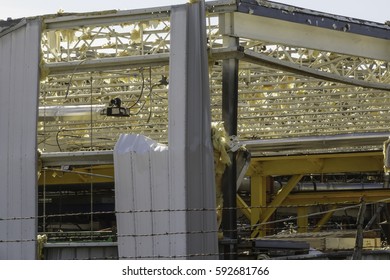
column 134, row 211
column 71, row 77
column 150, row 95
column 57, row 140
column 141, row 70
column 239, row 229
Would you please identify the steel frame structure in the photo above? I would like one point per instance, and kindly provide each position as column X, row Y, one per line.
column 90, row 59
column 308, row 83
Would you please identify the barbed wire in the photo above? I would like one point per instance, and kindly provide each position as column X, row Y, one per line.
column 136, row 211
column 140, row 235
column 156, row 234
column 156, row 256
column 338, row 253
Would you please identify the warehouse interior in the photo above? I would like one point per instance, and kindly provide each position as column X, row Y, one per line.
column 300, row 99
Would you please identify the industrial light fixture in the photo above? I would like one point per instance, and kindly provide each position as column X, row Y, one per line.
column 114, row 109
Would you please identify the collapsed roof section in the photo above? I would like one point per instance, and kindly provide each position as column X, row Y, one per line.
column 302, row 75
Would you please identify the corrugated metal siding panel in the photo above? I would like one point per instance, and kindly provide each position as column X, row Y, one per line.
column 142, row 201
column 191, row 166
column 19, row 87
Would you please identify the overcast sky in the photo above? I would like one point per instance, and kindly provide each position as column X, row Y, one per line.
column 373, row 10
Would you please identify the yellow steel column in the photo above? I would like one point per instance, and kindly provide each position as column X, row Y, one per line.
column 258, row 197
column 302, row 219
column 281, row 195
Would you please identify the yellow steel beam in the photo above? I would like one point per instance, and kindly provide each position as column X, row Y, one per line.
column 94, row 174
column 338, row 197
column 244, row 208
column 277, row 201
column 325, row 163
column 302, row 219
column 252, row 170
column 325, row 218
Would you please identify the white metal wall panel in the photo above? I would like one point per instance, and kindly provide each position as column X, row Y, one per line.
column 19, row 87
column 189, row 135
column 141, row 198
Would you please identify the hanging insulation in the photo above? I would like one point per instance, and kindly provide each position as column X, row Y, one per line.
column 221, row 160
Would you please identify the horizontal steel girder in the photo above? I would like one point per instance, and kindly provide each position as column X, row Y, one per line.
column 338, row 197
column 318, row 164
column 107, row 63
column 77, row 158
column 95, row 174
column 309, row 36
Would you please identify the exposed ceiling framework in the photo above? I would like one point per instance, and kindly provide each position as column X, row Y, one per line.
column 308, row 83
column 301, row 90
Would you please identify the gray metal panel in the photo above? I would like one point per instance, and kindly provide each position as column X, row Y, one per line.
column 176, row 111
column 19, row 86
column 189, row 135
column 81, row 251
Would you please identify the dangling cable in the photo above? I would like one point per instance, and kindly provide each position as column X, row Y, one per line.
column 142, row 88
column 150, row 94
column 71, row 77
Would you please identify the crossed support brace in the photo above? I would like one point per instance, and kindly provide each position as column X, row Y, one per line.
column 260, row 212
column 263, row 211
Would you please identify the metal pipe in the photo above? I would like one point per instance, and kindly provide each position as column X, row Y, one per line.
column 76, row 112
column 335, row 186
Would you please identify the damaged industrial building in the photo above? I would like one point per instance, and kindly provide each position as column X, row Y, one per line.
column 231, row 129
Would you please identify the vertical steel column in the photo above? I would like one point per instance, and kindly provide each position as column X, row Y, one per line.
column 229, row 117
column 279, row 198
column 258, row 199
column 302, row 219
